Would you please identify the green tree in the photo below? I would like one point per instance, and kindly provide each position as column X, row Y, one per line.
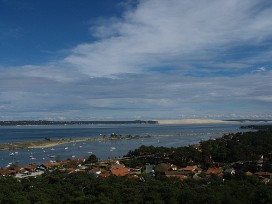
column 92, row 159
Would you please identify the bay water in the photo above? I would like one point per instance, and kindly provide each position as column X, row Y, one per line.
column 177, row 135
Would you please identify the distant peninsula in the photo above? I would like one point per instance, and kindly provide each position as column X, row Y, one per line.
column 46, row 122
column 112, row 122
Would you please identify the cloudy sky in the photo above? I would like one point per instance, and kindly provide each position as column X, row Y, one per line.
column 135, row 59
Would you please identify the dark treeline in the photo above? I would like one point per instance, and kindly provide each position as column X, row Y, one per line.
column 234, row 147
column 249, row 120
column 258, row 127
column 60, row 187
column 45, row 122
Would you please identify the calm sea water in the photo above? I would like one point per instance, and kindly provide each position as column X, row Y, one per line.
column 103, row 149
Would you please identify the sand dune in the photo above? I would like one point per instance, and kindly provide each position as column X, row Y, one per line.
column 192, row 121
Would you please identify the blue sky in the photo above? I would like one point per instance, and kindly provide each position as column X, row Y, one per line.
column 135, row 59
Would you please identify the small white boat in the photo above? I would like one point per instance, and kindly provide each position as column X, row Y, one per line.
column 11, row 154
column 66, row 148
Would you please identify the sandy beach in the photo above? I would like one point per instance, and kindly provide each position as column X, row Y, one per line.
column 192, row 121
column 36, row 144
column 52, row 143
column 45, row 143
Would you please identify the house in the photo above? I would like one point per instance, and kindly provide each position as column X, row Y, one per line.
column 149, row 170
column 264, row 174
column 49, row 165
column 7, row 172
column 120, row 172
column 20, row 169
column 118, row 166
column 174, row 167
column 104, row 175
column 176, row 174
column 118, row 169
column 30, row 168
column 162, row 167
column 74, row 170
column 96, row 171
column 26, row 169
column 230, row 171
column 103, row 165
column 190, row 168
column 215, row 171
column 136, row 170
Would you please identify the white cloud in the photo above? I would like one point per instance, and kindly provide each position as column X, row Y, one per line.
column 140, row 94
column 114, row 76
column 159, row 31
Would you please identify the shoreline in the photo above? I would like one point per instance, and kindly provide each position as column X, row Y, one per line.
column 211, row 121
column 53, row 143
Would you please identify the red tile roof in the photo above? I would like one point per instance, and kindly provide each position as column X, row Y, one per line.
column 118, row 166
column 29, row 167
column 120, row 172
column 189, row 168
column 104, row 175
column 51, row 164
column 7, row 172
column 214, row 171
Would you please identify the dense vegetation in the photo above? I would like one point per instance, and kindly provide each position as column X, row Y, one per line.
column 62, row 187
column 246, row 147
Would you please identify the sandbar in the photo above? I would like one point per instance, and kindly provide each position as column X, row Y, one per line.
column 192, row 121
column 52, row 143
